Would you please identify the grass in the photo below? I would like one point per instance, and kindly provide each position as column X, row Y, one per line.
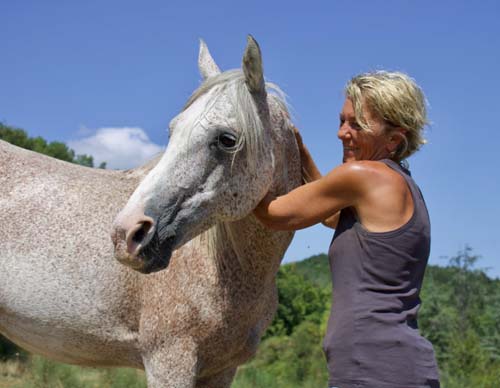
column 38, row 372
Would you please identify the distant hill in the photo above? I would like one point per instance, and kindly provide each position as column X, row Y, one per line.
column 316, row 269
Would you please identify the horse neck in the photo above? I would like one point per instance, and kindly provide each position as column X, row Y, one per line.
column 246, row 248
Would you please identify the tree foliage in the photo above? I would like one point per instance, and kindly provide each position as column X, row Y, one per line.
column 56, row 149
column 461, row 317
column 300, row 300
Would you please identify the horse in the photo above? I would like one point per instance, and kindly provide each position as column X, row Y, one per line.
column 197, row 288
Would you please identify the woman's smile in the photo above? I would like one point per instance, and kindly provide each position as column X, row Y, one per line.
column 359, row 144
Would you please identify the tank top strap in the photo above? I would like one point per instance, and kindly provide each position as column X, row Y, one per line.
column 406, row 174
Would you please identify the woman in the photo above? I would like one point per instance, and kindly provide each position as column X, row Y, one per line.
column 381, row 244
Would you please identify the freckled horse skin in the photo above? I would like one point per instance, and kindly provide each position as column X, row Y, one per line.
column 202, row 313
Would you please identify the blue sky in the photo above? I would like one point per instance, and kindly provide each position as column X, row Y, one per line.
column 89, row 72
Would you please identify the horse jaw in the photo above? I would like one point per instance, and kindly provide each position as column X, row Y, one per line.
column 169, row 196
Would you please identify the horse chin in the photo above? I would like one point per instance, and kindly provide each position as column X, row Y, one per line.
column 154, row 259
column 154, row 264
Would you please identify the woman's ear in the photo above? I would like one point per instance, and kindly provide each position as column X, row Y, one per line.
column 396, row 137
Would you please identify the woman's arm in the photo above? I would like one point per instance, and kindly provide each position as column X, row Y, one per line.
column 313, row 202
column 332, row 221
column 310, row 173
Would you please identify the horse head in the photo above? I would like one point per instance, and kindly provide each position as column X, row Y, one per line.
column 220, row 161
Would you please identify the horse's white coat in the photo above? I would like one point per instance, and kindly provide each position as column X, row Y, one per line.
column 206, row 64
column 63, row 295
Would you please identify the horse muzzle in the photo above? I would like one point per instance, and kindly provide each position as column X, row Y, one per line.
column 138, row 246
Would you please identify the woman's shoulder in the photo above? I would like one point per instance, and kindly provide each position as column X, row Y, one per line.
column 363, row 182
column 382, row 190
column 370, row 172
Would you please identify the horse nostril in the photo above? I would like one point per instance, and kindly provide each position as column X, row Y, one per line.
column 140, row 233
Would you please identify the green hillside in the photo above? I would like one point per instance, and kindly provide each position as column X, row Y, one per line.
column 316, row 269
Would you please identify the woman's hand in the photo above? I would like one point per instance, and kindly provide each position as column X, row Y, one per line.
column 310, row 171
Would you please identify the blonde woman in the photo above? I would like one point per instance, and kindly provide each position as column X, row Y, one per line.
column 381, row 243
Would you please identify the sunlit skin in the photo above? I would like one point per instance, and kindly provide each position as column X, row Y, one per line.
column 359, row 144
column 379, row 196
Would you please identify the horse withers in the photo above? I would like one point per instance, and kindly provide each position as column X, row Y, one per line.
column 211, row 290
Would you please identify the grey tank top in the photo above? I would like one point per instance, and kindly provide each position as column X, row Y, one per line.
column 372, row 338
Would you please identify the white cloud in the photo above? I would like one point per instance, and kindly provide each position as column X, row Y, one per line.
column 120, row 148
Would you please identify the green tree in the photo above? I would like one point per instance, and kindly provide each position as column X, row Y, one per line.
column 299, row 300
column 60, row 151
column 460, row 316
column 56, row 149
column 85, row 160
column 14, row 136
column 287, row 361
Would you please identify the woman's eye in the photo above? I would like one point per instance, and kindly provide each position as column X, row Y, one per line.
column 226, row 141
column 356, row 126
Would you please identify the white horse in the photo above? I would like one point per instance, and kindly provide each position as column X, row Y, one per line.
column 61, row 293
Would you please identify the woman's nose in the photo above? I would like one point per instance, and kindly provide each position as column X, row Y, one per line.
column 344, row 132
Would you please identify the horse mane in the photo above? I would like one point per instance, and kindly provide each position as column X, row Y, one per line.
column 251, row 139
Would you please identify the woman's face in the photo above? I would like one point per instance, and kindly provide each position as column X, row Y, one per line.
column 358, row 143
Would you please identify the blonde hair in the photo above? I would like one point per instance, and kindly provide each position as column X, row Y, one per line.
column 396, row 99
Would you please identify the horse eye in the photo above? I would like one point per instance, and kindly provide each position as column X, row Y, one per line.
column 226, row 141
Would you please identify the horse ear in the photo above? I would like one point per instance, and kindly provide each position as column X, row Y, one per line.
column 252, row 67
column 206, row 64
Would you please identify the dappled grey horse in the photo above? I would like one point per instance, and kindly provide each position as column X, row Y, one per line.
column 189, row 214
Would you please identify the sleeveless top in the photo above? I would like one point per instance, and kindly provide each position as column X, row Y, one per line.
column 372, row 338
